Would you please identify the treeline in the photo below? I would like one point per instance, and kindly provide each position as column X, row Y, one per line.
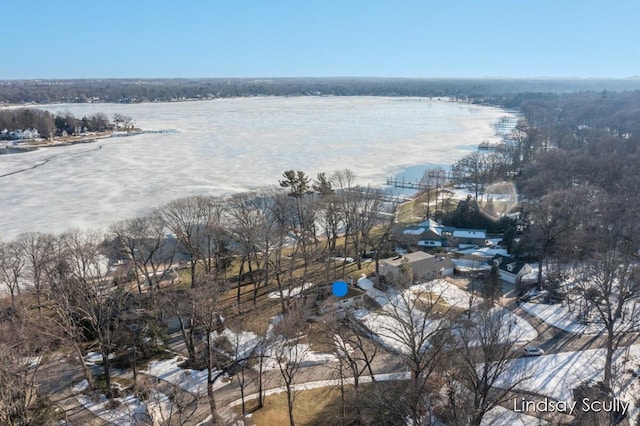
column 49, row 125
column 66, row 290
column 577, row 179
column 569, row 138
column 575, row 160
column 145, row 90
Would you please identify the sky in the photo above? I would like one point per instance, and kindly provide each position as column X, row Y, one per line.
column 329, row 38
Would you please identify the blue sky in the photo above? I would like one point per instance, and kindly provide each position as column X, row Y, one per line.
column 210, row 38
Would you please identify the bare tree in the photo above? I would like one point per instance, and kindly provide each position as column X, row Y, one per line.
column 12, row 265
column 479, row 360
column 190, row 220
column 242, row 353
column 415, row 327
column 433, row 178
column 37, row 250
column 246, row 223
column 613, row 289
column 22, row 355
column 557, row 215
column 208, row 321
column 302, row 216
column 97, row 304
column 355, row 350
column 276, row 230
column 143, row 243
column 64, row 312
column 171, row 405
column 289, row 354
column 181, row 304
column 271, row 236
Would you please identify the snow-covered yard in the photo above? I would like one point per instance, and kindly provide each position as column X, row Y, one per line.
column 502, row 416
column 560, row 316
column 293, row 292
column 399, row 308
column 158, row 406
column 556, row 375
column 192, row 381
column 127, row 411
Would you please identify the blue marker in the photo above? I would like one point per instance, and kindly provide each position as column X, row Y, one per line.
column 340, row 289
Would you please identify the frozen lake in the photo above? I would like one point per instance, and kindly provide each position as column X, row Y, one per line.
column 229, row 145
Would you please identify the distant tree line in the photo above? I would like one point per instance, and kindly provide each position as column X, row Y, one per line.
column 145, row 90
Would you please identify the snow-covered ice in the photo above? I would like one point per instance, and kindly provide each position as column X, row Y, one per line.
column 229, row 145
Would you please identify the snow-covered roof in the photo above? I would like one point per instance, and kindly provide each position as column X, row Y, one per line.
column 487, row 252
column 410, row 257
column 467, row 265
column 510, row 264
column 413, row 230
column 470, row 233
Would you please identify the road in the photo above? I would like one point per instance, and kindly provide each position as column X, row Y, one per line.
column 550, row 339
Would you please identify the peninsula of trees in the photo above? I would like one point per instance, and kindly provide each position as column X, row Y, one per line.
column 31, row 123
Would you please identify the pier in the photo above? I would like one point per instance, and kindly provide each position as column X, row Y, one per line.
column 407, row 185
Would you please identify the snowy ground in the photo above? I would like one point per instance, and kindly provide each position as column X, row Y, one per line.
column 127, row 410
column 558, row 315
column 500, row 416
column 192, row 381
column 388, row 323
column 159, row 406
column 294, row 292
column 556, row 375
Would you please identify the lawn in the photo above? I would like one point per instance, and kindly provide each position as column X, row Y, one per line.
column 311, row 407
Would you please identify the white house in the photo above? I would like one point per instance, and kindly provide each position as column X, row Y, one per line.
column 512, row 270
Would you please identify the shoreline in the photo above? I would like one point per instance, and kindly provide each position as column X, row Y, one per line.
column 30, row 146
column 227, row 148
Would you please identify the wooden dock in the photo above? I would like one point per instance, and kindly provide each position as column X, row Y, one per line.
column 407, row 185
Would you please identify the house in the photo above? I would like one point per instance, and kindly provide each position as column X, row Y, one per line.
column 331, row 303
column 429, row 233
column 421, row 265
column 430, row 238
column 476, row 237
column 512, row 270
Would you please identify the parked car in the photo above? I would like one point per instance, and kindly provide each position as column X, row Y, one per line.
column 534, row 296
column 533, row 351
